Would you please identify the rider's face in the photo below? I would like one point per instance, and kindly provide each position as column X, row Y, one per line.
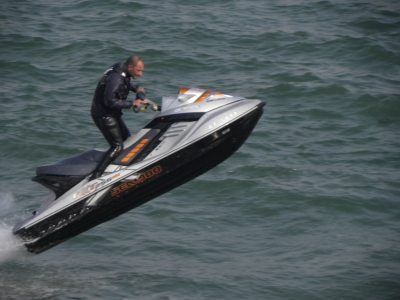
column 136, row 71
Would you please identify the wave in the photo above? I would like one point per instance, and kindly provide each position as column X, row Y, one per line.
column 11, row 247
column 375, row 25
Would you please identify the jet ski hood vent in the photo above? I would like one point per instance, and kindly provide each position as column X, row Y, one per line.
column 195, row 101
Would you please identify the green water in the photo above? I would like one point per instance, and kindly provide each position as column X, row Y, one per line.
column 307, row 208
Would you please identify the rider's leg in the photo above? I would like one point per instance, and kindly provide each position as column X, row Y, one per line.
column 110, row 128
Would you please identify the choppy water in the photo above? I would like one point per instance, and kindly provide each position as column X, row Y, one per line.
column 308, row 208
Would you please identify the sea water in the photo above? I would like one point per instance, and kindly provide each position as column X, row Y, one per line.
column 307, row 208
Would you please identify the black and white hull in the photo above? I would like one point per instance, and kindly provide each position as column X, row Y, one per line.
column 196, row 131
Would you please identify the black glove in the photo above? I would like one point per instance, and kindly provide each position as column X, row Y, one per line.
column 141, row 95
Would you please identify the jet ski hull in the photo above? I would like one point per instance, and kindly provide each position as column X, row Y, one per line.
column 195, row 131
column 157, row 179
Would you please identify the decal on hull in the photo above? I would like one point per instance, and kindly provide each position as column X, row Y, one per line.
column 131, row 183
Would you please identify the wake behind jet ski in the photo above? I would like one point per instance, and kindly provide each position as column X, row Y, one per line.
column 195, row 131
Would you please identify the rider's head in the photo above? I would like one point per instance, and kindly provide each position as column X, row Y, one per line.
column 135, row 66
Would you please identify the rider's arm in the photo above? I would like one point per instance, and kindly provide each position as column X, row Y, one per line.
column 140, row 94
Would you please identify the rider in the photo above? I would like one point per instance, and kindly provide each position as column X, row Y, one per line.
column 108, row 101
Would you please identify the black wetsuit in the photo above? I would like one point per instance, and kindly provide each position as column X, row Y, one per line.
column 108, row 101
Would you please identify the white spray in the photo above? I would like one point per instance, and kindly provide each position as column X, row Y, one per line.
column 11, row 247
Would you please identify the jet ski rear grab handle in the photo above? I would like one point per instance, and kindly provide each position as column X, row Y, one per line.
column 147, row 103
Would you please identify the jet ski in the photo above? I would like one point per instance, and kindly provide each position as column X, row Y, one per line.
column 194, row 131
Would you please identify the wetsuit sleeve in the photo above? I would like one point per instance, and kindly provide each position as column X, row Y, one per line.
column 112, row 92
column 133, row 87
column 141, row 95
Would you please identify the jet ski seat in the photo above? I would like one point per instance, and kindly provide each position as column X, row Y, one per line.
column 79, row 165
column 85, row 163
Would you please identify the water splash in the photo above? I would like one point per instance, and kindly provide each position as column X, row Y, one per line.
column 10, row 246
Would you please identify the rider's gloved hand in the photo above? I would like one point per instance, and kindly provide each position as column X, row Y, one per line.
column 140, row 93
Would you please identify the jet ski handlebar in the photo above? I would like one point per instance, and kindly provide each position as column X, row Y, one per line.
column 146, row 102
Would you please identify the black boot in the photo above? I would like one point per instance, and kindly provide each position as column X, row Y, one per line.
column 110, row 155
column 115, row 132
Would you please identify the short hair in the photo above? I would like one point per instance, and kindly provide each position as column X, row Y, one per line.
column 133, row 60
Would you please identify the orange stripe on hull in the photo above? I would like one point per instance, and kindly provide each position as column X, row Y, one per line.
column 204, row 95
column 134, row 150
column 183, row 90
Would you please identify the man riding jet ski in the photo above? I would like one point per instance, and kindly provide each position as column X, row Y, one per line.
column 108, row 101
column 195, row 131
